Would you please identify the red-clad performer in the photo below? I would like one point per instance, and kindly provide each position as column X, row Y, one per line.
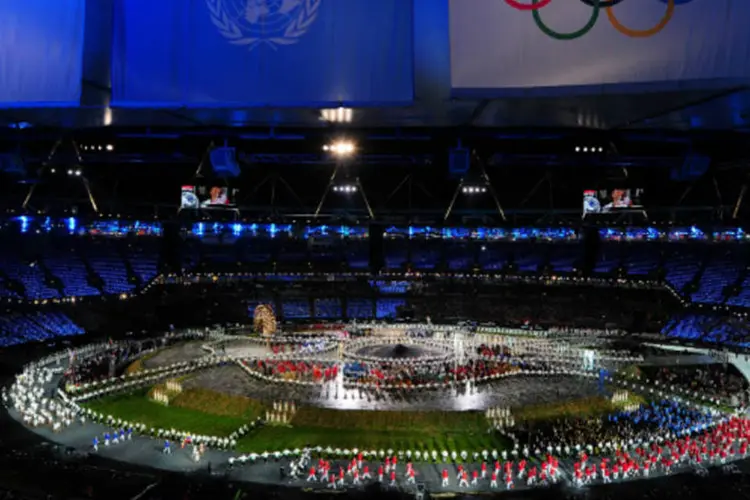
column 464, row 481
column 445, row 478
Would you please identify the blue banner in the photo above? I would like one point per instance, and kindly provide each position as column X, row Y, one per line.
column 41, row 52
column 222, row 53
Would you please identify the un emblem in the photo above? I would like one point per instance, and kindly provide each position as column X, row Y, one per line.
column 255, row 22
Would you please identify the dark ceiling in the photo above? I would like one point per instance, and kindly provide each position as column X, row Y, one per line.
column 686, row 111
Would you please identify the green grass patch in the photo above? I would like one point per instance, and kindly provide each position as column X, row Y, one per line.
column 216, row 403
column 579, row 408
column 390, row 421
column 136, row 407
column 279, row 438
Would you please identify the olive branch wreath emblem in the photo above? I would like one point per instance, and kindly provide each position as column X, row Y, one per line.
column 229, row 29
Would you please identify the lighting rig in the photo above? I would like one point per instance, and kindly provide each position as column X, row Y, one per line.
column 475, row 183
column 343, row 152
column 75, row 170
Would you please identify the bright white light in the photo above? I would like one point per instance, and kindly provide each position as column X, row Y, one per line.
column 341, row 148
column 110, row 147
column 78, row 172
column 337, row 115
column 578, row 149
column 585, row 150
column 601, row 150
column 100, row 148
column 70, row 172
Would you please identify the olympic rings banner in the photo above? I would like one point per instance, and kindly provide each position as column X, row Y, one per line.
column 523, row 44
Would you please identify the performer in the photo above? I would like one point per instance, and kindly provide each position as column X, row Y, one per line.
column 380, row 473
column 411, row 475
column 445, row 478
column 393, row 476
column 312, row 476
column 493, row 480
column 366, row 472
column 167, row 447
column 96, row 444
column 521, row 468
column 464, row 481
column 484, row 470
column 106, row 439
column 474, row 477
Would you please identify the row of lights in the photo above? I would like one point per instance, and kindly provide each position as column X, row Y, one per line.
column 340, row 148
column 587, row 149
column 473, row 189
column 337, row 115
column 97, row 147
column 71, row 172
column 345, row 188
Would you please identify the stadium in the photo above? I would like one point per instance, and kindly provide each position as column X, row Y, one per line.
column 404, row 248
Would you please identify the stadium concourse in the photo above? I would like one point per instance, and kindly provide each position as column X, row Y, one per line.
column 283, row 247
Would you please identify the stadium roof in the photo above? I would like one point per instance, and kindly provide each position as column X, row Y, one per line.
column 683, row 111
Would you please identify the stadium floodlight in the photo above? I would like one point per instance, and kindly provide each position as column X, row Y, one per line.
column 340, row 149
column 337, row 115
column 471, row 189
column 346, row 188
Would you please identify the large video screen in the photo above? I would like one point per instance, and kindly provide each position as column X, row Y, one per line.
column 603, row 201
column 195, row 197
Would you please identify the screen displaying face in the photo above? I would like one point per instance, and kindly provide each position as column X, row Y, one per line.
column 611, row 200
column 205, row 197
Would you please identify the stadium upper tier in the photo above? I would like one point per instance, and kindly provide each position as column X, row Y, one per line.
column 42, row 259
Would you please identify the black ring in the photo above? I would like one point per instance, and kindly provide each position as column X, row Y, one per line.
column 603, row 4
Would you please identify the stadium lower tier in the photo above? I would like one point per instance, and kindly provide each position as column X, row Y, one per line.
column 44, row 267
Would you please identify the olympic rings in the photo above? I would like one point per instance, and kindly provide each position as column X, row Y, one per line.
column 566, row 36
column 531, row 6
column 642, row 33
column 597, row 5
column 603, row 4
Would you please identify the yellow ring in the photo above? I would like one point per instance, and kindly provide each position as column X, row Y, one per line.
column 641, row 33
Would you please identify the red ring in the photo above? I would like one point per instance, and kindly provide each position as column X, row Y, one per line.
column 528, row 6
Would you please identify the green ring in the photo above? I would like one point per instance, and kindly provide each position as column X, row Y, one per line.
column 566, row 36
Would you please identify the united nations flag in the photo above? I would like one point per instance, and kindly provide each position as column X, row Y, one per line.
column 271, row 22
column 264, row 53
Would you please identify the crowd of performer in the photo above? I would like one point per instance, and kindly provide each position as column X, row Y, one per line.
column 712, row 446
column 416, row 374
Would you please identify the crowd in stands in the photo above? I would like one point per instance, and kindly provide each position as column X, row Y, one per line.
column 714, row 380
column 51, row 266
column 709, row 328
column 38, row 326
